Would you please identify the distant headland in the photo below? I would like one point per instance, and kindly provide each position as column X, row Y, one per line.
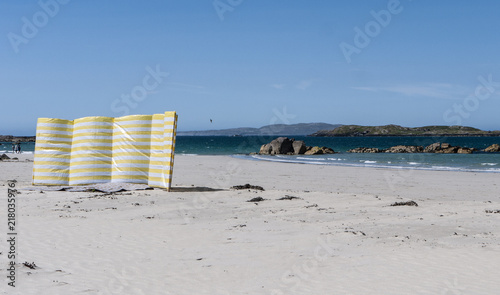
column 322, row 130
column 301, row 129
column 396, row 130
column 332, row 130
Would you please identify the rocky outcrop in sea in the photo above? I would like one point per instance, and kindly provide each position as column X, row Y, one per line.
column 405, row 149
column 494, row 148
column 438, row 148
column 362, row 150
column 287, row 146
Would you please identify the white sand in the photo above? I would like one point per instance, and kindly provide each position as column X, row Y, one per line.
column 341, row 237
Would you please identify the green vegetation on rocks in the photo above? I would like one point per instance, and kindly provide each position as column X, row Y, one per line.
column 396, row 130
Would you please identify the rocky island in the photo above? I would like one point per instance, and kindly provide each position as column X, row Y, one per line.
column 396, row 130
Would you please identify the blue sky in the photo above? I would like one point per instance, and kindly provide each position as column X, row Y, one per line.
column 249, row 63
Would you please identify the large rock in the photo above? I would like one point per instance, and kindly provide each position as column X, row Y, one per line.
column 4, row 157
column 286, row 146
column 299, row 147
column 405, row 149
column 494, row 148
column 279, row 146
column 327, row 150
column 365, row 150
column 446, row 148
column 464, row 150
column 266, row 149
column 316, row 150
column 441, row 148
column 433, row 148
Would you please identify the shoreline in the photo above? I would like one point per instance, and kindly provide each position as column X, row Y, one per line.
column 402, row 171
column 387, row 179
column 226, row 171
column 365, row 163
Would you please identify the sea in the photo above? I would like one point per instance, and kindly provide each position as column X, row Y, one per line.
column 245, row 147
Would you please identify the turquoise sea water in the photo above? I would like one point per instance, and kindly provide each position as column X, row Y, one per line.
column 242, row 146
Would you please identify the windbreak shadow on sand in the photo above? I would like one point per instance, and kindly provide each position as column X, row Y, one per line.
column 194, row 189
column 120, row 187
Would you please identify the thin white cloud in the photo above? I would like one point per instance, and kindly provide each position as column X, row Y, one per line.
column 435, row 90
column 304, row 84
column 278, row 86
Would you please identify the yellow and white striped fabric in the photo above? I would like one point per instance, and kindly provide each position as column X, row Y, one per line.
column 52, row 151
column 163, row 133
column 91, row 150
column 130, row 149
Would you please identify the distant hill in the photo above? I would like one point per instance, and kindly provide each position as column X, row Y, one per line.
column 396, row 130
column 301, row 129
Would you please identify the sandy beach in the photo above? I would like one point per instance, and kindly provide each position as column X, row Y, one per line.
column 335, row 232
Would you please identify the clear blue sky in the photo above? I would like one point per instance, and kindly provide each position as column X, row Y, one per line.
column 249, row 63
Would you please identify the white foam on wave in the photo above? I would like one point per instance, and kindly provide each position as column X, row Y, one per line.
column 288, row 159
column 311, row 159
column 489, row 164
column 371, row 163
column 446, row 168
column 335, row 159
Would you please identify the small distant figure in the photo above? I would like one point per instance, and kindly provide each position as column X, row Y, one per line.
column 16, row 147
column 210, row 120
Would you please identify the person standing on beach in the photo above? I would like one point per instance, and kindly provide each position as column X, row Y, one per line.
column 13, row 147
column 18, row 148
